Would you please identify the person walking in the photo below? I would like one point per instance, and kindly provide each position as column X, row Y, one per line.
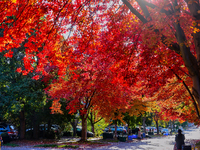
column 180, row 140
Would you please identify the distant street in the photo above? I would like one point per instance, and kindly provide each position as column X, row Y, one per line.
column 161, row 143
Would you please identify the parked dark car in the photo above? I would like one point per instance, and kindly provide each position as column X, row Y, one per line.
column 4, row 137
column 54, row 127
column 53, row 132
column 120, row 129
column 79, row 132
column 135, row 130
column 10, row 130
column 160, row 129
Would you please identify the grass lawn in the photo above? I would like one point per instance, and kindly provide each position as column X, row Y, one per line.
column 10, row 144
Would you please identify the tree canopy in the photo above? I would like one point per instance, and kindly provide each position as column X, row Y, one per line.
column 108, row 48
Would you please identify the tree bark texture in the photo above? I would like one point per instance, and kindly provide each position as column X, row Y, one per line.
column 22, row 124
column 74, row 123
column 35, row 127
column 143, row 123
column 115, row 128
column 84, row 128
column 157, row 127
column 191, row 62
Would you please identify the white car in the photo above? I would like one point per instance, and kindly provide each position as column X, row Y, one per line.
column 151, row 129
column 154, row 129
column 165, row 131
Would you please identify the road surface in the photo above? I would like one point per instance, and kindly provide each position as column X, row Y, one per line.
column 160, row 143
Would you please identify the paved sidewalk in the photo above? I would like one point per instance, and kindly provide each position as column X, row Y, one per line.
column 156, row 143
column 133, row 145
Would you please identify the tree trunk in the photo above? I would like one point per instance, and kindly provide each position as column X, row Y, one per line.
column 49, row 126
column 92, row 124
column 129, row 130
column 74, row 130
column 35, row 127
column 191, row 62
column 143, row 123
column 22, row 124
column 173, row 125
column 74, row 123
column 84, row 128
column 157, row 127
column 189, row 59
column 93, row 120
column 116, row 129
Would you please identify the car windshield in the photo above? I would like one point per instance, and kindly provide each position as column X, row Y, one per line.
column 12, row 127
column 78, row 129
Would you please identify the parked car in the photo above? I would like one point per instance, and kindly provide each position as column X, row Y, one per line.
column 151, row 129
column 54, row 127
column 53, row 132
column 120, row 129
column 154, row 129
column 4, row 137
column 165, row 131
column 142, row 129
column 160, row 129
column 11, row 131
column 135, row 130
column 147, row 129
column 79, row 132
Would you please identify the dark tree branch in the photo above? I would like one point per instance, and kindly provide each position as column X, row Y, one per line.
column 89, row 99
column 173, row 46
column 144, row 9
column 188, row 58
column 134, row 11
column 167, row 12
column 194, row 6
column 193, row 100
column 98, row 120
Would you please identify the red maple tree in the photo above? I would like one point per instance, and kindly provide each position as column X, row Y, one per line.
column 135, row 43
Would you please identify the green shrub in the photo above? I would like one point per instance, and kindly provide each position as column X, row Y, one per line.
column 46, row 145
column 11, row 144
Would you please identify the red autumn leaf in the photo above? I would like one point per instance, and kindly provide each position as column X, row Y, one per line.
column 19, row 70
column 36, row 77
column 9, row 54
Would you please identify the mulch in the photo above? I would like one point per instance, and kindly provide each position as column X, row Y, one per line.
column 31, row 143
